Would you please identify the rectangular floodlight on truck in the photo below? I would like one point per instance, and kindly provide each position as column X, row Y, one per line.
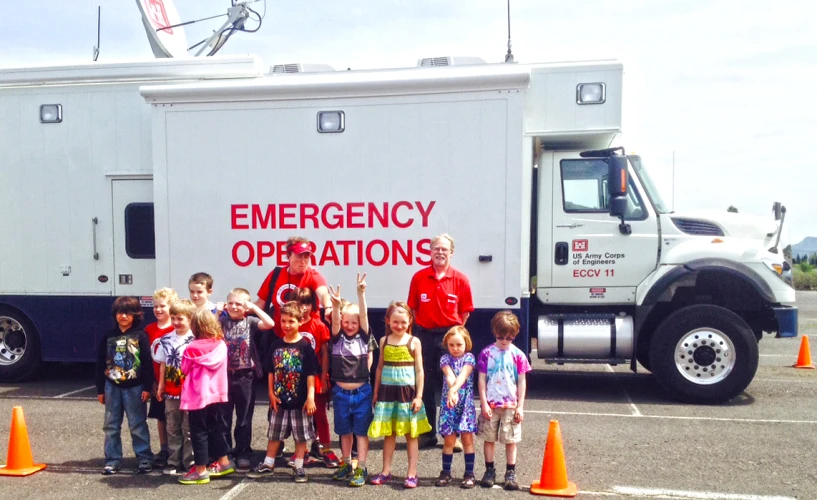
column 51, row 113
column 331, row 122
column 590, row 93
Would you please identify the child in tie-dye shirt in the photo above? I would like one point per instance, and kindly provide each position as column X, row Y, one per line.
column 502, row 368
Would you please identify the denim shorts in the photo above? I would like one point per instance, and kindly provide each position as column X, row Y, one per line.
column 353, row 410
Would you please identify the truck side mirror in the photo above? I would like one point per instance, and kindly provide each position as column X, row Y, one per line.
column 617, row 174
column 618, row 206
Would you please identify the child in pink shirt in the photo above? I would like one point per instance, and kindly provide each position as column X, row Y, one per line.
column 204, row 395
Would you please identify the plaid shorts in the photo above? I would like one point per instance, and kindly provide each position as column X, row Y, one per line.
column 283, row 423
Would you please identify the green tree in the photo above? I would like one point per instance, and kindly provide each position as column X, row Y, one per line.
column 733, row 209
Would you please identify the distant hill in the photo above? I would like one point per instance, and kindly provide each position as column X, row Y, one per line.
column 806, row 247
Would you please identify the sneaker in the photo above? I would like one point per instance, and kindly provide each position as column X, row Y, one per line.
column 308, row 460
column 316, row 450
column 173, row 471
column 510, row 481
column 488, row 479
column 343, row 473
column 243, row 464
column 428, row 441
column 458, row 446
column 410, row 483
column 444, row 479
column 218, row 470
column 144, row 467
column 110, row 469
column 281, row 451
column 379, row 479
column 193, row 477
column 261, row 470
column 160, row 460
column 359, row 477
column 330, row 460
column 299, row 475
column 468, row 481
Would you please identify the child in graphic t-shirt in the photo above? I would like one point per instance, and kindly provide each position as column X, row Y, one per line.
column 243, row 365
column 292, row 370
column 502, row 368
column 162, row 298
column 168, row 351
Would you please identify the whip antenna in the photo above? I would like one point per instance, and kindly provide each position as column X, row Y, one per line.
column 509, row 55
column 98, row 24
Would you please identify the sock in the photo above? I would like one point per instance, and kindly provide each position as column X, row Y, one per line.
column 348, row 460
column 447, row 459
column 489, row 465
column 361, row 465
column 510, row 467
column 299, row 463
column 469, row 463
column 270, row 461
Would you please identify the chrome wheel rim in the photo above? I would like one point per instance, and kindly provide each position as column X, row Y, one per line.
column 705, row 356
column 13, row 341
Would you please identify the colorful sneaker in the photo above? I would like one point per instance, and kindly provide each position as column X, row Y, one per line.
column 488, row 479
column 444, row 479
column 193, row 477
column 379, row 479
column 145, row 466
column 510, row 481
column 410, row 483
column 330, row 460
column 468, row 481
column 261, row 470
column 359, row 477
column 218, row 470
column 299, row 475
column 343, row 473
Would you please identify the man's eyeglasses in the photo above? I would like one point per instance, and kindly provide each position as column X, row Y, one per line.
column 440, row 250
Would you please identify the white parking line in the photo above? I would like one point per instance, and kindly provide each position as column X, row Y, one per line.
column 74, row 392
column 675, row 417
column 695, row 495
column 633, row 407
column 786, row 380
column 235, row 490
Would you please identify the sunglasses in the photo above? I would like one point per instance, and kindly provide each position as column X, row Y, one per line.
column 505, row 337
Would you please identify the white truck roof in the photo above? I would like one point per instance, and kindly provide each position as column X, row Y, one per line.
column 149, row 70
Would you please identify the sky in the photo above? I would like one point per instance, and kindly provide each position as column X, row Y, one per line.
column 725, row 87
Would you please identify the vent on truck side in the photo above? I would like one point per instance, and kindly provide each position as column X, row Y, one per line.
column 449, row 61
column 697, row 227
column 300, row 68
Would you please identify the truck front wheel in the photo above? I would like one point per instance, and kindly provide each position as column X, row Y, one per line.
column 19, row 346
column 704, row 354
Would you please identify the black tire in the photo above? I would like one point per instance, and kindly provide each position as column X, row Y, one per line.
column 19, row 346
column 642, row 353
column 713, row 370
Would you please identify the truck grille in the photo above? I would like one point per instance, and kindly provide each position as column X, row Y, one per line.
column 697, row 227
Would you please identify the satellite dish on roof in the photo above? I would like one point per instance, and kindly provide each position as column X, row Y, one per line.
column 157, row 16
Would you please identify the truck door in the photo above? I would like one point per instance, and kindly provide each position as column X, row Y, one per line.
column 133, row 237
column 592, row 260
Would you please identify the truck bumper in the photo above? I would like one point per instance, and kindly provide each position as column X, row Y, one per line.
column 786, row 321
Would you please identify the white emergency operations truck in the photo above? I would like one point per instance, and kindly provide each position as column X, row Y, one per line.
column 517, row 162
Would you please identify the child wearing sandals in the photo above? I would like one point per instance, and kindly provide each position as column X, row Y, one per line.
column 457, row 412
column 398, row 402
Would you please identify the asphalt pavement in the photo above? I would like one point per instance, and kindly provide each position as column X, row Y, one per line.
column 623, row 438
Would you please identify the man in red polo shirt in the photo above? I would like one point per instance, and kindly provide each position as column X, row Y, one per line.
column 440, row 297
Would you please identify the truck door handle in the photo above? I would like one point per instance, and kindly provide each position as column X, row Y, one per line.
column 561, row 253
column 569, row 226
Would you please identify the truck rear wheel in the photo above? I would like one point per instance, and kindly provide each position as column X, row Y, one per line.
column 704, row 354
column 19, row 346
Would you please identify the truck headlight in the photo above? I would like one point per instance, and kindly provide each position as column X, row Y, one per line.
column 591, row 93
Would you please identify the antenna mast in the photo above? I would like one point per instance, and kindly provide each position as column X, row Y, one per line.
column 98, row 24
column 509, row 55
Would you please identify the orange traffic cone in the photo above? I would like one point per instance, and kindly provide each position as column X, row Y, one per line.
column 804, row 358
column 553, row 481
column 19, row 461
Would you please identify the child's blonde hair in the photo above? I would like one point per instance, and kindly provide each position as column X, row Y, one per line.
column 462, row 332
column 350, row 308
column 167, row 294
column 205, row 326
column 238, row 292
column 505, row 323
column 183, row 307
column 395, row 305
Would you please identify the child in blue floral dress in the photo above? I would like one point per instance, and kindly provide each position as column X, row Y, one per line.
column 457, row 413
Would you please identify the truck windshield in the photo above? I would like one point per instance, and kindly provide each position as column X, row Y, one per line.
column 649, row 186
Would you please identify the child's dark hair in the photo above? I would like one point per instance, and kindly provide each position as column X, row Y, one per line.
column 128, row 305
column 201, row 279
column 292, row 308
column 505, row 323
column 305, row 296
